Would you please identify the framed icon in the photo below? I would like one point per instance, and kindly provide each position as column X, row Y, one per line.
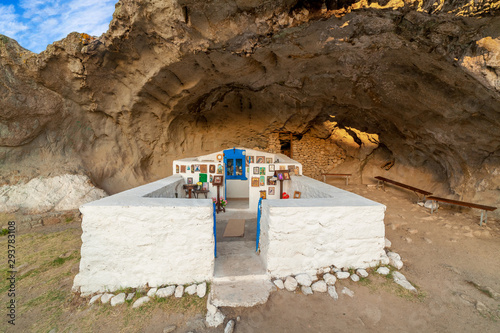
column 271, row 180
column 212, row 168
column 260, row 159
column 219, row 169
column 190, row 180
column 218, row 180
column 203, row 168
column 183, row 169
column 297, row 194
column 255, row 181
column 197, row 168
column 176, row 168
column 262, row 171
column 250, row 159
column 269, row 160
column 271, row 167
column 271, row 190
column 256, row 170
column 262, row 181
column 263, row 194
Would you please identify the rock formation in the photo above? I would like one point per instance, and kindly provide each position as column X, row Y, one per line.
column 412, row 85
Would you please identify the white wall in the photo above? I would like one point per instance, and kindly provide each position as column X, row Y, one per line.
column 130, row 240
column 303, row 235
column 237, row 188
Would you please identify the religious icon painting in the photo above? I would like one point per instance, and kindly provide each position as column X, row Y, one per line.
column 262, row 171
column 196, row 168
column 203, row 168
column 255, row 170
column 291, row 168
column 269, row 160
column 296, row 171
column 263, row 194
column 260, row 159
column 271, row 180
column 205, row 186
column 271, row 190
column 280, row 176
column 262, row 181
column 192, row 168
column 286, row 175
column 218, row 180
column 219, row 169
column 282, row 167
column 190, row 180
column 212, row 168
column 176, row 168
column 183, row 169
column 250, row 159
column 255, row 181
column 297, row 194
column 271, row 167
column 211, row 178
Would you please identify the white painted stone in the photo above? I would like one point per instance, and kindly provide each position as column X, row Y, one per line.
column 304, row 279
column 168, row 229
column 388, row 243
column 179, row 291
column 325, row 270
column 279, row 283
column 201, row 290
column 118, row 299
column 383, row 270
column 229, row 327
column 393, row 255
column 405, row 284
column 333, row 292
column 398, row 276
column 297, row 234
column 354, row 277
column 190, row 290
column 140, row 301
column 343, row 275
column 362, row 272
column 152, row 292
column 306, row 290
column 290, row 283
column 384, row 260
column 396, row 263
column 214, row 319
column 106, row 297
column 330, row 279
column 94, row 299
column 165, row 292
column 319, row 286
column 40, row 194
column 130, row 296
column 348, row 292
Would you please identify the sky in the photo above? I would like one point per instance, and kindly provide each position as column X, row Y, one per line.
column 34, row 24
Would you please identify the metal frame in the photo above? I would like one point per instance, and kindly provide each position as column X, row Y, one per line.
column 259, row 215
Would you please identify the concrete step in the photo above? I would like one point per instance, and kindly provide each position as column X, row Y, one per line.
column 241, row 291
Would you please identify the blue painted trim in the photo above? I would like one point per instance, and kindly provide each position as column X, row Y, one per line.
column 259, row 215
column 215, row 230
column 234, row 154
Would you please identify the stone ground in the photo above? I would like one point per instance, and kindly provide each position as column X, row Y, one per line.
column 448, row 256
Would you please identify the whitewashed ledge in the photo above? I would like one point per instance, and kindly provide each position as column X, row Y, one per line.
column 146, row 236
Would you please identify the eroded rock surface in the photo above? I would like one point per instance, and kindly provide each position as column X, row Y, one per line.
column 412, row 88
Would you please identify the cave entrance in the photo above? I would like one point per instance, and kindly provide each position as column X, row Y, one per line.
column 286, row 143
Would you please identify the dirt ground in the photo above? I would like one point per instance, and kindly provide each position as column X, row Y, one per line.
column 453, row 262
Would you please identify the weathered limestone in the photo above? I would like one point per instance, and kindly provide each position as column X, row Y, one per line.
column 94, row 299
column 333, row 292
column 306, row 290
column 304, row 279
column 201, row 289
column 140, row 301
column 190, row 290
column 279, row 284
column 106, row 297
column 179, row 291
column 319, row 286
column 343, row 275
column 329, row 279
column 290, row 283
column 152, row 292
column 383, row 270
column 165, row 292
column 348, row 292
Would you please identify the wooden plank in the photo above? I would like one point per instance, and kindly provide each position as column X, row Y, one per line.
column 462, row 203
column 414, row 189
column 235, row 228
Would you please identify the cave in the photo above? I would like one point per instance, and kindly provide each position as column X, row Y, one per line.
column 408, row 91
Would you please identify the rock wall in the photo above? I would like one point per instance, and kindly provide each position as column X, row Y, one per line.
column 178, row 78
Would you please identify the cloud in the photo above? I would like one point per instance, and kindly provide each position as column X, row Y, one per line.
column 10, row 24
column 46, row 21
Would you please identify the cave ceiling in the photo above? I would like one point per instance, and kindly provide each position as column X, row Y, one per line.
column 172, row 79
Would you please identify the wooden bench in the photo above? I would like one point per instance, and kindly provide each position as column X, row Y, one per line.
column 417, row 191
column 484, row 209
column 345, row 175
